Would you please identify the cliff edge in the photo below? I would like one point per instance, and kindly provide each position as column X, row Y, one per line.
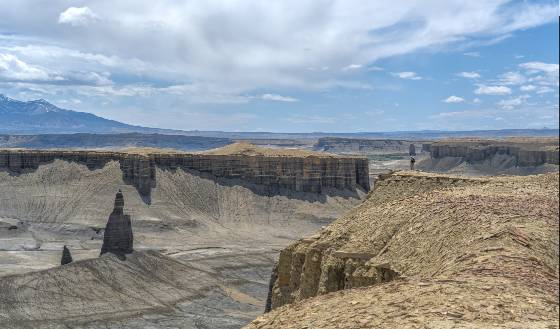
column 428, row 249
column 514, row 156
column 275, row 169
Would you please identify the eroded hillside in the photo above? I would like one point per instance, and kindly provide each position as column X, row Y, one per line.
column 431, row 250
column 217, row 231
column 512, row 156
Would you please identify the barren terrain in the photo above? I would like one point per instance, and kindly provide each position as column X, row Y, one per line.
column 205, row 244
column 427, row 250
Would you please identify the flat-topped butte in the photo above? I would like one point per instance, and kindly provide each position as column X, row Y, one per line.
column 277, row 169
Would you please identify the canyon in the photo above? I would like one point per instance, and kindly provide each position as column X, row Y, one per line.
column 214, row 235
column 313, row 173
column 207, row 229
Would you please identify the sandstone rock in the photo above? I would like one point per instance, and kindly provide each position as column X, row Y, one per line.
column 118, row 237
column 273, row 278
column 524, row 154
column 66, row 256
column 317, row 174
column 427, row 248
column 361, row 146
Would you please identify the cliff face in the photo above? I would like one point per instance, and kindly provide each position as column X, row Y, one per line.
column 301, row 174
column 331, row 261
column 362, row 146
column 449, row 250
column 524, row 155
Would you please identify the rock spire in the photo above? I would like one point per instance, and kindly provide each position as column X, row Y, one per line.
column 66, row 256
column 118, row 237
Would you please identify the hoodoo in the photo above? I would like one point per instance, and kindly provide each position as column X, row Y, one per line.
column 118, row 231
column 66, row 256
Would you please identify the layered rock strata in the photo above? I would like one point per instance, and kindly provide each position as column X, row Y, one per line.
column 302, row 174
column 118, row 238
column 363, row 146
column 431, row 229
column 524, row 154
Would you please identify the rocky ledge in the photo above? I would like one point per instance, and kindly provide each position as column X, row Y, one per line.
column 300, row 173
column 426, row 248
column 525, row 152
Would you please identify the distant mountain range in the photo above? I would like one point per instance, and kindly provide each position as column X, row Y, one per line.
column 42, row 117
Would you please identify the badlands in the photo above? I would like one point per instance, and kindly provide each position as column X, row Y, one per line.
column 214, row 231
column 207, row 229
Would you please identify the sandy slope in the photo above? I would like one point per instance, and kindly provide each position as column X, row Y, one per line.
column 225, row 233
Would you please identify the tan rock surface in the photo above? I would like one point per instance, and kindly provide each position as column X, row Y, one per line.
column 428, row 251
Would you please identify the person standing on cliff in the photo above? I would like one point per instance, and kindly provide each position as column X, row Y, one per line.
column 412, row 161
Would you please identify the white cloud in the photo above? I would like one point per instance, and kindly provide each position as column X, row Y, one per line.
column 407, row 75
column 215, row 51
column 534, row 67
column 278, row 98
column 544, row 90
column 14, row 69
column 477, row 100
column 199, row 41
column 528, row 88
column 454, row 99
column 469, row 75
column 352, row 67
column 492, row 90
column 509, row 104
column 542, row 74
column 512, row 78
column 77, row 16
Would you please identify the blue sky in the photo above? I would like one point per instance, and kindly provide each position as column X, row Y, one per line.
column 288, row 66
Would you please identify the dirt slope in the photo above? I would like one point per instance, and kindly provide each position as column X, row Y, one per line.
column 227, row 231
column 428, row 251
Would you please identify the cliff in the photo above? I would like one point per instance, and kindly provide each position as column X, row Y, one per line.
column 299, row 173
column 426, row 248
column 524, row 153
column 363, row 146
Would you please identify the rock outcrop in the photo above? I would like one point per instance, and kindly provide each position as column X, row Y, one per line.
column 473, row 241
column 362, row 146
column 118, row 238
column 313, row 173
column 66, row 256
column 525, row 154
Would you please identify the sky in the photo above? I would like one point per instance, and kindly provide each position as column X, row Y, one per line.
column 288, row 66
